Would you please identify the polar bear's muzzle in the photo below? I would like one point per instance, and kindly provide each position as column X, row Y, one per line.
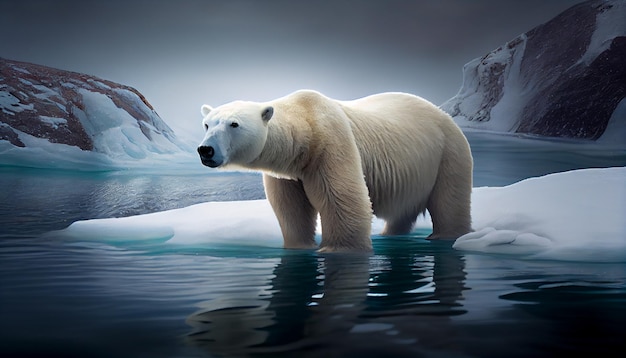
column 207, row 156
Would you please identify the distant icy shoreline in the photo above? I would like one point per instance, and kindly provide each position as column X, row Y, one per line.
column 46, row 155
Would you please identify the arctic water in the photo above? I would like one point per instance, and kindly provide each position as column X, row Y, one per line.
column 410, row 298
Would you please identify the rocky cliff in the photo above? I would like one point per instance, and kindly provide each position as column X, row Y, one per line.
column 565, row 78
column 40, row 106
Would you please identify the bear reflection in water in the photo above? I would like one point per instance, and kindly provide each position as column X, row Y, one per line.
column 395, row 301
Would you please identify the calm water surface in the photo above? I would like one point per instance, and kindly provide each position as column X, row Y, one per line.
column 410, row 298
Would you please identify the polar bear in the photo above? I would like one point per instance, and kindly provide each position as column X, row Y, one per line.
column 393, row 155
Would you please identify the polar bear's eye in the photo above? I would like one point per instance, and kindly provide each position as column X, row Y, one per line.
column 234, row 124
column 206, row 127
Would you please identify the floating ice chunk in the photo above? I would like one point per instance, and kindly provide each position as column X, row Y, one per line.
column 249, row 222
column 503, row 241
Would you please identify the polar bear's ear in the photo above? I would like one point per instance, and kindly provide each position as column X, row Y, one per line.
column 267, row 113
column 205, row 109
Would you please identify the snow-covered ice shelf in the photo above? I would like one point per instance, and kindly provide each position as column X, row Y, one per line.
column 577, row 215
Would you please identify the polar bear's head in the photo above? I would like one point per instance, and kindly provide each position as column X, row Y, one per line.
column 235, row 133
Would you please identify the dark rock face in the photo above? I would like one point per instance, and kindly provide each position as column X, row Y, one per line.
column 48, row 103
column 564, row 78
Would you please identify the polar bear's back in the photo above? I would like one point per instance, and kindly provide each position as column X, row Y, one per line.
column 396, row 110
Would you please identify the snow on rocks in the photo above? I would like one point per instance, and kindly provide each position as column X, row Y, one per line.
column 46, row 111
column 564, row 78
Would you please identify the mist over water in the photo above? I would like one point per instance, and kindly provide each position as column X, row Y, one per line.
column 184, row 54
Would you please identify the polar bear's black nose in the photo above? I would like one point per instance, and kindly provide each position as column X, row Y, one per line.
column 206, row 152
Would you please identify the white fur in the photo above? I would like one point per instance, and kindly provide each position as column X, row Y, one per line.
column 234, row 146
column 392, row 154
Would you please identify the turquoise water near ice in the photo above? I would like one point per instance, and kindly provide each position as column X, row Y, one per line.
column 411, row 297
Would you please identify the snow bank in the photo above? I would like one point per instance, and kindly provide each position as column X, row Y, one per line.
column 116, row 132
column 578, row 215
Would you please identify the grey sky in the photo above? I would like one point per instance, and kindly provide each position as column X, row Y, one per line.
column 183, row 53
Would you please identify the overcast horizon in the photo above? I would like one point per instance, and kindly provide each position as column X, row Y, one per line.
column 181, row 54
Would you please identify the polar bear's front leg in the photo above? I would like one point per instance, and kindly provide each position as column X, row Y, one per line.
column 341, row 197
column 296, row 216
